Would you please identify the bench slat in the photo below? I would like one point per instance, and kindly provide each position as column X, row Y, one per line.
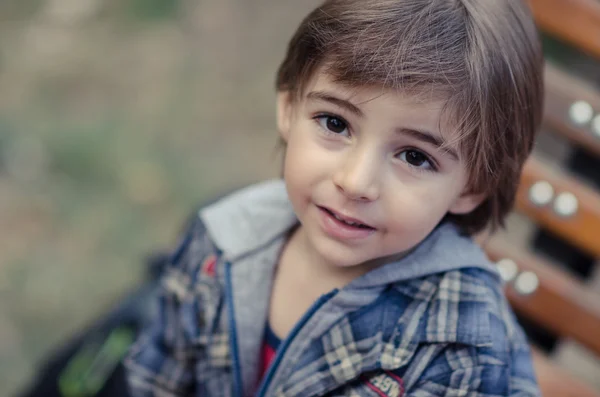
column 562, row 91
column 581, row 229
column 556, row 382
column 560, row 303
column 574, row 21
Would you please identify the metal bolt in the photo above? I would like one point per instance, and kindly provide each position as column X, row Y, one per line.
column 526, row 283
column 566, row 204
column 541, row 193
column 581, row 112
column 596, row 126
column 508, row 269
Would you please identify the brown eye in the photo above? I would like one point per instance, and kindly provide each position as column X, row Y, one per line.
column 415, row 158
column 335, row 125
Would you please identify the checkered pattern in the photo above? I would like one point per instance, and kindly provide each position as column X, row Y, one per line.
column 343, row 357
column 447, row 334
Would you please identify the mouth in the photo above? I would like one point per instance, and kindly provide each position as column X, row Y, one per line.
column 347, row 220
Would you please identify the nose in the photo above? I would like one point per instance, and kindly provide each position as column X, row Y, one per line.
column 357, row 177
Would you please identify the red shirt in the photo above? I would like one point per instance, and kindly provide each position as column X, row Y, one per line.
column 269, row 349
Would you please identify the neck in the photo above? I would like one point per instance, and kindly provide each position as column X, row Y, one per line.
column 318, row 270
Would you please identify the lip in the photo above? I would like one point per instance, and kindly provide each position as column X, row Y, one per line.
column 345, row 217
column 340, row 230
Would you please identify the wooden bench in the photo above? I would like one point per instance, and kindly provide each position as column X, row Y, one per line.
column 575, row 21
column 557, row 300
column 561, row 203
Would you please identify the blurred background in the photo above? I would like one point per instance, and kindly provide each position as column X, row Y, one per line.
column 118, row 117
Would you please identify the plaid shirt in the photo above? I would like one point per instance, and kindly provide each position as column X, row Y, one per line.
column 444, row 333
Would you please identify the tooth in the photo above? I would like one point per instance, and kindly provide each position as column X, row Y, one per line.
column 345, row 221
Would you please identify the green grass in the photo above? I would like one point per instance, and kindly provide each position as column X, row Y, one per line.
column 152, row 9
column 15, row 10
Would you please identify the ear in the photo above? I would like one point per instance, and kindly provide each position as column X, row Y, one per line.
column 466, row 203
column 284, row 113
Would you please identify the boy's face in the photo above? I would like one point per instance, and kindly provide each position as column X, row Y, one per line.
column 364, row 170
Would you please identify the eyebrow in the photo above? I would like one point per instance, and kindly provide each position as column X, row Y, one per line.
column 327, row 97
column 429, row 138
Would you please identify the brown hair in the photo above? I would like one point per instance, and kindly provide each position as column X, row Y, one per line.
column 484, row 56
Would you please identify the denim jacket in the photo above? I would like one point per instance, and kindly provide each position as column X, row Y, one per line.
column 435, row 323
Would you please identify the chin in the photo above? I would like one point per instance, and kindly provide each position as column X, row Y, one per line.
column 341, row 256
column 343, row 262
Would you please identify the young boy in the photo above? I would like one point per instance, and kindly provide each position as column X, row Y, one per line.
column 406, row 124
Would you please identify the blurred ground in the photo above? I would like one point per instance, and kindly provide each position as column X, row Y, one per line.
column 116, row 118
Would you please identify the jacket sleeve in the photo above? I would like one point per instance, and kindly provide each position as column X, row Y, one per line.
column 161, row 362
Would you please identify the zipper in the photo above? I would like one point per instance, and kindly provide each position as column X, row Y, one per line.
column 237, row 373
column 288, row 340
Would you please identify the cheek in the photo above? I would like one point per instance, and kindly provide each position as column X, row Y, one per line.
column 295, row 163
column 419, row 208
column 305, row 159
column 301, row 169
